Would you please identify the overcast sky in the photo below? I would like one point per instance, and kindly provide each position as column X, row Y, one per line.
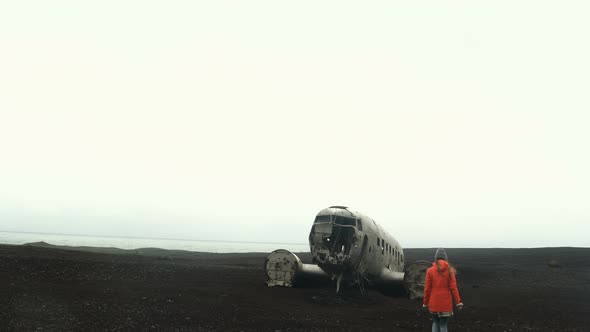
column 451, row 123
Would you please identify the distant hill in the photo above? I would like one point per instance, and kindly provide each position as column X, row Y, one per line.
column 152, row 252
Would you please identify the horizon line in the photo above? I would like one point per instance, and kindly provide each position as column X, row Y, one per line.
column 262, row 242
column 148, row 238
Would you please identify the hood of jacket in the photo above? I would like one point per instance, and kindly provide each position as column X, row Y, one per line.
column 441, row 265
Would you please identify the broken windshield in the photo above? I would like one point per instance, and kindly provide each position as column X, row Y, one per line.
column 344, row 221
column 338, row 220
column 323, row 228
column 324, row 218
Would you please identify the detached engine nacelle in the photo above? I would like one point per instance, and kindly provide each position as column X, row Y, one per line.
column 414, row 279
column 284, row 268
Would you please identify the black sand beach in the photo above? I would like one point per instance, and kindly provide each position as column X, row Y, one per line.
column 45, row 288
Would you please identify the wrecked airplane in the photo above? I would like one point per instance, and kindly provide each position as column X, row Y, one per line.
column 352, row 249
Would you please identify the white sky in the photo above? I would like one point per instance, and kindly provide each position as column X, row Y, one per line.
column 452, row 123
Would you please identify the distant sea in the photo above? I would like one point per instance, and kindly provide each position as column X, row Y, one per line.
column 136, row 242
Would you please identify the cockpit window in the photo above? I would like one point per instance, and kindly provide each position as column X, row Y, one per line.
column 338, row 220
column 324, row 218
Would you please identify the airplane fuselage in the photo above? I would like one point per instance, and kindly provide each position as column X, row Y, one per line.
column 352, row 245
column 350, row 248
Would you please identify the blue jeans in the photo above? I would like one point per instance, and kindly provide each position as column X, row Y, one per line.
column 439, row 324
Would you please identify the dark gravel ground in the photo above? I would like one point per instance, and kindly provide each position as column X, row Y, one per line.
column 52, row 289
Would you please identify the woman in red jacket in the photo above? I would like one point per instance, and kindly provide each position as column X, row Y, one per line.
column 440, row 290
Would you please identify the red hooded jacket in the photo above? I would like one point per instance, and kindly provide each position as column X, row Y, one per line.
column 440, row 284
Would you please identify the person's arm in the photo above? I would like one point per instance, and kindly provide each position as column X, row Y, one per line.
column 427, row 289
column 455, row 290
